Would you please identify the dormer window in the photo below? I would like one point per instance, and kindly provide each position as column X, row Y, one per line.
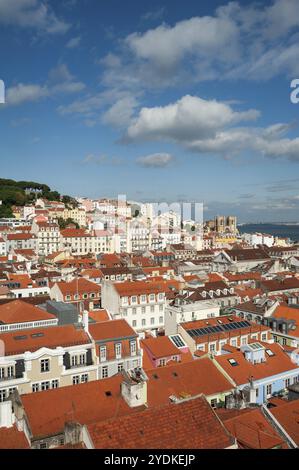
column 204, row 294
column 233, row 362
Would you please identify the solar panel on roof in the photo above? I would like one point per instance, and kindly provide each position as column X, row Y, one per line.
column 177, row 340
column 218, row 328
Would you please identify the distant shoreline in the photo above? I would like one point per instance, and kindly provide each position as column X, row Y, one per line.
column 283, row 230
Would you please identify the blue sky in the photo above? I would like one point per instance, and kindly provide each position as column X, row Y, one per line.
column 158, row 100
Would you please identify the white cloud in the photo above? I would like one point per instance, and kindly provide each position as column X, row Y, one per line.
column 34, row 14
column 156, row 160
column 250, row 42
column 188, row 119
column 60, row 81
column 121, row 112
column 25, row 93
column 210, row 127
column 166, row 45
column 73, row 42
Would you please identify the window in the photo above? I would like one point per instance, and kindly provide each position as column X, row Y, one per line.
column 2, row 370
column 244, row 341
column 105, row 372
column 54, row 383
column 152, row 297
column 134, row 300
column 103, row 353
column 284, row 341
column 257, row 393
column 161, row 320
column 119, row 367
column 82, row 359
column 161, row 296
column 118, row 350
column 287, row 382
column 269, row 389
column 233, row 342
column 45, row 385
column 45, row 365
column 233, row 362
column 133, row 347
column 161, row 307
column 264, row 336
column 143, row 298
column 134, row 311
column 84, row 378
column 162, row 362
column 212, row 348
column 214, row 403
column 143, row 322
column 2, row 395
column 134, row 323
column 76, row 379
column 142, row 309
column 152, row 321
column 43, row 445
column 270, row 353
column 152, row 308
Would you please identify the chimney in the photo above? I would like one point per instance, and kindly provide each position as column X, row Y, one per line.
column 134, row 387
column 85, row 320
column 72, row 433
column 6, row 414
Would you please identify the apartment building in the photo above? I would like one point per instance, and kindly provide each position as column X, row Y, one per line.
column 21, row 285
column 117, row 347
column 259, row 370
column 21, row 241
column 38, row 359
column 141, row 303
column 48, row 237
column 76, row 291
column 3, row 248
column 215, row 334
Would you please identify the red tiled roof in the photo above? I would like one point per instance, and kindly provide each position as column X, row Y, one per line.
column 251, row 429
column 185, row 379
column 20, row 236
column 197, row 324
column 86, row 403
column 18, row 342
column 278, row 363
column 287, row 416
column 160, row 347
column 18, row 311
column 74, row 233
column 111, row 329
column 189, row 424
column 78, row 286
column 99, row 315
column 11, row 438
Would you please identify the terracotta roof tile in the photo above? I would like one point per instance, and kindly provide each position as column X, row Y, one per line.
column 189, row 424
